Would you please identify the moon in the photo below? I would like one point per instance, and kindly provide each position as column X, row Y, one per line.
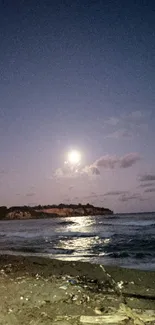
column 74, row 157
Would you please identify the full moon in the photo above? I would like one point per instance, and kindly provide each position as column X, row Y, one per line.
column 74, row 157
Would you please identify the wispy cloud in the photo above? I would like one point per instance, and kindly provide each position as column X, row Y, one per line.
column 30, row 194
column 129, row 160
column 127, row 126
column 133, row 196
column 92, row 196
column 147, row 177
column 112, row 121
column 144, row 185
column 115, row 161
column 71, row 188
column 123, row 196
column 3, row 172
column 121, row 133
column 116, row 193
column 32, row 204
column 150, row 190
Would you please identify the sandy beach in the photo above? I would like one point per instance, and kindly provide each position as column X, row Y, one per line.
column 39, row 291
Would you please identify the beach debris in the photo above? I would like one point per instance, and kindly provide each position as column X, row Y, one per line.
column 117, row 288
column 61, row 322
column 139, row 317
column 73, row 281
column 63, row 287
column 2, row 271
column 108, row 319
column 98, row 311
column 8, row 268
column 74, row 297
column 124, row 313
column 38, row 276
column 120, row 284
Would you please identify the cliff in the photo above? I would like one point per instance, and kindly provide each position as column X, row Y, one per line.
column 50, row 211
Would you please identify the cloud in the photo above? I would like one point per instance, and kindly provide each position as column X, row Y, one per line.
column 66, row 171
column 91, row 170
column 109, row 162
column 143, row 185
column 113, row 121
column 121, row 133
column 127, row 126
column 69, row 171
column 129, row 197
column 32, row 204
column 114, row 161
column 129, row 160
column 30, row 194
column 91, row 196
column 150, row 190
column 116, row 193
column 3, row 171
column 106, row 162
column 147, row 177
column 71, row 188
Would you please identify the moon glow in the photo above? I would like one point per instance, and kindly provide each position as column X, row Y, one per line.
column 74, row 157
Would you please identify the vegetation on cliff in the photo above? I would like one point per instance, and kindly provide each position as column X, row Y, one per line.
column 47, row 211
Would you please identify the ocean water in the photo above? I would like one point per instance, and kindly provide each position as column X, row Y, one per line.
column 126, row 240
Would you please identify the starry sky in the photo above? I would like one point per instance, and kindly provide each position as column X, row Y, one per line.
column 78, row 75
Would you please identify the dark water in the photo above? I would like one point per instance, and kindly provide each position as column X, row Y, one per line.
column 124, row 240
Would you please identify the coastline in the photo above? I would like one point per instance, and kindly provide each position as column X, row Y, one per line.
column 37, row 290
column 51, row 211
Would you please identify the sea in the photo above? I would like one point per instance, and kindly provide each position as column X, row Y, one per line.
column 126, row 240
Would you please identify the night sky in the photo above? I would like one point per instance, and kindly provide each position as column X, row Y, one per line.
column 78, row 75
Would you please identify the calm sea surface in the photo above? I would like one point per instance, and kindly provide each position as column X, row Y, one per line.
column 123, row 240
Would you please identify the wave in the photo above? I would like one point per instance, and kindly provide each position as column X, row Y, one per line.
column 64, row 223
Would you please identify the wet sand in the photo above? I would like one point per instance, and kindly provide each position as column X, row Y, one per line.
column 39, row 291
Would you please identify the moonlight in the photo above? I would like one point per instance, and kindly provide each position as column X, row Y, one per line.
column 74, row 157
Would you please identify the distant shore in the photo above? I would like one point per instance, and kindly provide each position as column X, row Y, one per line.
column 38, row 290
column 51, row 211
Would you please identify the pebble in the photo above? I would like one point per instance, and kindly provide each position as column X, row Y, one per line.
column 44, row 314
column 74, row 297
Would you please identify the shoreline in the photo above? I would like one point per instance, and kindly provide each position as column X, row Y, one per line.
column 38, row 290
